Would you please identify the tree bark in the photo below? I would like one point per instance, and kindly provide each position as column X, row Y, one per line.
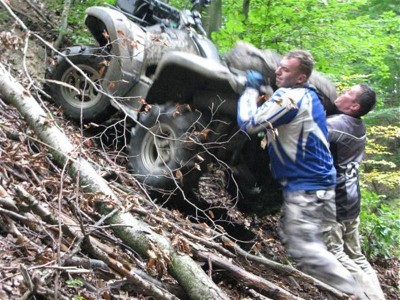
column 213, row 17
column 146, row 284
column 249, row 279
column 64, row 24
column 134, row 233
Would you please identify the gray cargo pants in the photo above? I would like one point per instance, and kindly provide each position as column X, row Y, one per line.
column 344, row 242
column 303, row 214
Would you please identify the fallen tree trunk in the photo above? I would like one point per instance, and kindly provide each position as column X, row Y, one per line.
column 96, row 249
column 135, row 233
column 285, row 270
column 249, row 279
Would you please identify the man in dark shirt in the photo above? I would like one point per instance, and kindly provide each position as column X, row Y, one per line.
column 347, row 137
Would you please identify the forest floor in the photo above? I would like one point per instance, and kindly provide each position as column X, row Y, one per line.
column 29, row 248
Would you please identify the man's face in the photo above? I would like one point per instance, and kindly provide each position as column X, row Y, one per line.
column 288, row 73
column 347, row 101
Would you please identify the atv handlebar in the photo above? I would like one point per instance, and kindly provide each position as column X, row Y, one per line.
column 198, row 4
column 148, row 12
column 151, row 12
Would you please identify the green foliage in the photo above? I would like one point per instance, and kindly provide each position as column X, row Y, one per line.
column 179, row 4
column 381, row 178
column 383, row 181
column 77, row 32
column 376, row 7
column 74, row 282
column 380, row 226
column 381, row 166
column 342, row 35
column 383, row 116
column 382, row 144
column 4, row 16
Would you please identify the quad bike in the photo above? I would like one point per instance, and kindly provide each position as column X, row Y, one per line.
column 132, row 37
column 154, row 64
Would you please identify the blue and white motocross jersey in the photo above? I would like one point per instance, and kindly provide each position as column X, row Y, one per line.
column 297, row 136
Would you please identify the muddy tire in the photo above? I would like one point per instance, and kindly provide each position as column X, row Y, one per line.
column 163, row 151
column 82, row 102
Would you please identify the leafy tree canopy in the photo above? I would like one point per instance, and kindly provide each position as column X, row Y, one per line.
column 351, row 40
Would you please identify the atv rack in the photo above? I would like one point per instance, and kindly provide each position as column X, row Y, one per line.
column 149, row 12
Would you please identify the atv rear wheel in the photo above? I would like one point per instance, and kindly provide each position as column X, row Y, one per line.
column 163, row 150
column 81, row 101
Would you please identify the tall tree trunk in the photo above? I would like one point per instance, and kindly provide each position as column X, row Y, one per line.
column 213, row 17
column 64, row 24
column 245, row 9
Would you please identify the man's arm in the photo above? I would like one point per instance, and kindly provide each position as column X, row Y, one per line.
column 334, row 128
column 281, row 108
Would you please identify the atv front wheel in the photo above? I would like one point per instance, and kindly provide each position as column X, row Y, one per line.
column 80, row 98
column 163, row 150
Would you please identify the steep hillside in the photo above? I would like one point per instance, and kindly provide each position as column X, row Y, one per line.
column 53, row 241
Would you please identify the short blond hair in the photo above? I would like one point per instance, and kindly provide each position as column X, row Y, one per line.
column 305, row 58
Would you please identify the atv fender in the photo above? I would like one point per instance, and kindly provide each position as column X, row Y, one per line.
column 181, row 77
column 126, row 42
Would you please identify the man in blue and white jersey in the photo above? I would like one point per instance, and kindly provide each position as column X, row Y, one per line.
column 295, row 122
